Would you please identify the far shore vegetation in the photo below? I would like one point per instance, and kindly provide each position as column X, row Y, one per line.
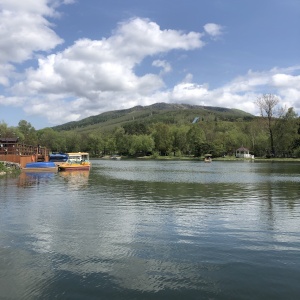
column 172, row 132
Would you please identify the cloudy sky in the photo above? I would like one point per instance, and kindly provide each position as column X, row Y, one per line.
column 64, row 60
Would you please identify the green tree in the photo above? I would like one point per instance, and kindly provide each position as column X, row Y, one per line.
column 141, row 144
column 51, row 139
column 74, row 141
column 27, row 133
column 285, row 133
column 180, row 139
column 162, row 138
column 258, row 137
column 121, row 141
column 227, row 137
column 95, row 143
column 253, row 130
column 3, row 129
column 196, row 140
column 109, row 145
column 135, row 128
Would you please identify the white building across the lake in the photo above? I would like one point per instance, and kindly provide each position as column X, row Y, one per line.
column 243, row 152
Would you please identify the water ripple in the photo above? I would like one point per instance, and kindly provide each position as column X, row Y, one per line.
column 152, row 230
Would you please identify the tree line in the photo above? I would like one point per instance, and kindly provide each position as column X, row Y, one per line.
column 276, row 133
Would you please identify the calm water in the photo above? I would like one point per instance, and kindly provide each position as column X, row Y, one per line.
column 152, row 230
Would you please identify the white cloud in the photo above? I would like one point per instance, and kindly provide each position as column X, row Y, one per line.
column 242, row 92
column 213, row 29
column 30, row 6
column 6, row 70
column 286, row 81
column 166, row 67
column 92, row 67
column 12, row 101
column 141, row 37
column 24, row 30
column 189, row 93
column 288, row 87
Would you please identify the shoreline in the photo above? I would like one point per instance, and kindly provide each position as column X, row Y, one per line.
column 229, row 158
column 10, row 167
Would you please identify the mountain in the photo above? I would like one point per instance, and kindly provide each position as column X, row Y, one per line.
column 159, row 112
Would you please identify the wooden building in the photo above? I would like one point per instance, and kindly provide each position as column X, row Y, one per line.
column 13, row 151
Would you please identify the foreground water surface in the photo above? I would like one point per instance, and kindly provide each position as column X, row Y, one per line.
column 152, row 230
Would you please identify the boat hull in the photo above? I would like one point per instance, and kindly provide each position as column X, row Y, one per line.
column 74, row 167
column 38, row 170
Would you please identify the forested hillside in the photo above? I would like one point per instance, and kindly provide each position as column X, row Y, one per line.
column 159, row 112
column 171, row 130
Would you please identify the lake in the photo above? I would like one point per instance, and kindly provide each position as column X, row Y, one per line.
column 132, row 229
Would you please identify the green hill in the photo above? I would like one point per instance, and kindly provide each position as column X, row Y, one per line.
column 159, row 112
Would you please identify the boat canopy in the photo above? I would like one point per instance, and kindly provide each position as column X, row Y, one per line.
column 78, row 156
column 58, row 157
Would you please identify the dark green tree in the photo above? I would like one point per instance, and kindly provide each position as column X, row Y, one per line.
column 285, row 133
column 180, row 144
column 162, row 138
column 196, row 139
column 95, row 143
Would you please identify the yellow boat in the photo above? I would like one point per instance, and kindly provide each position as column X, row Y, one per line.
column 207, row 158
column 76, row 161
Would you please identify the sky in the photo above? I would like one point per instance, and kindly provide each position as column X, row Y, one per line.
column 65, row 60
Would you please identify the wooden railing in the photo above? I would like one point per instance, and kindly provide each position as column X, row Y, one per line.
column 22, row 153
column 23, row 149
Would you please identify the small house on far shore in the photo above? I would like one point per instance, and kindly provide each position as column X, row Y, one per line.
column 243, row 152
